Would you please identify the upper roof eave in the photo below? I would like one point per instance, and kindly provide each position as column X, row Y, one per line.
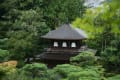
column 66, row 32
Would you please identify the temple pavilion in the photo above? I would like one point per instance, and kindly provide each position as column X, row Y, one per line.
column 66, row 41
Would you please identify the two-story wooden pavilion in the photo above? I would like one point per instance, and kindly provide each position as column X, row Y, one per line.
column 66, row 42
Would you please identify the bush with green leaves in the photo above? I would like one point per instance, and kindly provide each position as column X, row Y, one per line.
column 71, row 72
column 35, row 70
column 111, row 59
column 6, row 70
column 18, row 76
column 85, row 58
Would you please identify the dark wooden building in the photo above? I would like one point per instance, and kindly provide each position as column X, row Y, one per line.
column 66, row 42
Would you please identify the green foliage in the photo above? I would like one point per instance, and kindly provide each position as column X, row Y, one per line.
column 96, row 20
column 111, row 59
column 116, row 77
column 101, row 24
column 6, row 70
column 4, row 55
column 24, row 36
column 111, row 56
column 22, row 22
column 71, row 72
column 2, row 72
column 35, row 70
column 62, row 11
column 85, row 58
column 18, row 76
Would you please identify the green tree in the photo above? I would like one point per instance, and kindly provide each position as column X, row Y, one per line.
column 57, row 12
column 111, row 59
column 25, row 34
column 22, row 22
column 102, row 26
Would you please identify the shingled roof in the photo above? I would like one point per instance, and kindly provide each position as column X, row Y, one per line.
column 66, row 32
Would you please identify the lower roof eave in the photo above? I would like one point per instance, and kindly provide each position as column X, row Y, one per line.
column 64, row 38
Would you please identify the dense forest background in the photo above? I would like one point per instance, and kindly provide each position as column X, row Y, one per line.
column 22, row 22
